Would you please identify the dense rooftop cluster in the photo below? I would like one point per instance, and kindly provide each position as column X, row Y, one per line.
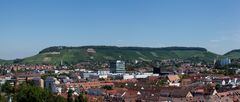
column 116, row 81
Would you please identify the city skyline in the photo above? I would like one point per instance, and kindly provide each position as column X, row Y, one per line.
column 28, row 27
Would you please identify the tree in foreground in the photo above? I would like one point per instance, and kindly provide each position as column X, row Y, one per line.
column 3, row 98
column 69, row 97
column 29, row 93
column 107, row 87
column 81, row 98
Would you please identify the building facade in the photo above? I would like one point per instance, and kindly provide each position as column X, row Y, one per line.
column 117, row 67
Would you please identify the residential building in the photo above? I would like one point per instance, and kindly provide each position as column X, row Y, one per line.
column 50, row 83
column 38, row 82
column 173, row 80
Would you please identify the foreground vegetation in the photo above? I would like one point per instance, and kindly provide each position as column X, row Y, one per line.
column 26, row 92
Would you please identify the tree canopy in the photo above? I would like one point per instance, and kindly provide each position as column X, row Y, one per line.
column 29, row 93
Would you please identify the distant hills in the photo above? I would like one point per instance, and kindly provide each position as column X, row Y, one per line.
column 234, row 54
column 5, row 61
column 72, row 55
column 55, row 55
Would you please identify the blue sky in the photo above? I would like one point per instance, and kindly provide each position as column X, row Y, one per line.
column 28, row 26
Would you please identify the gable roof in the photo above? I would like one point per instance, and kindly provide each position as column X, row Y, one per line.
column 174, row 92
column 173, row 77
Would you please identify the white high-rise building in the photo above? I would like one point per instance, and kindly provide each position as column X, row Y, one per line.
column 117, row 67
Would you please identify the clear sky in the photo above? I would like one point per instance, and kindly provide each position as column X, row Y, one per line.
column 28, row 26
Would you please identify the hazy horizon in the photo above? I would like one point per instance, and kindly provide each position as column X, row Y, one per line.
column 30, row 26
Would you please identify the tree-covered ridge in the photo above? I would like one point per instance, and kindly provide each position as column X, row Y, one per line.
column 2, row 60
column 73, row 55
column 234, row 54
column 5, row 61
column 233, row 51
column 59, row 48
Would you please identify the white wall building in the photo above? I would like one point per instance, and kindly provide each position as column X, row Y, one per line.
column 127, row 76
column 103, row 72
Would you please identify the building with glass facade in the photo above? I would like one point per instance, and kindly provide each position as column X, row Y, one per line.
column 117, row 66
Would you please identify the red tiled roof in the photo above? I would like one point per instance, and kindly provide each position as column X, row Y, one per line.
column 173, row 77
